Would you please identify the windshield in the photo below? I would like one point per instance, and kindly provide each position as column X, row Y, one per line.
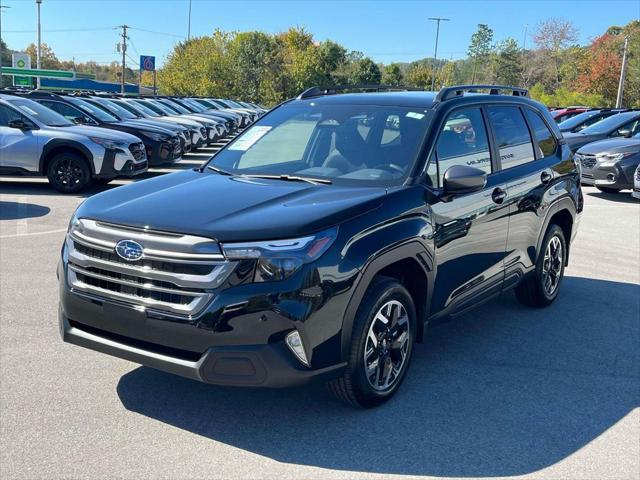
column 207, row 103
column 87, row 107
column 114, row 109
column 609, row 124
column 363, row 144
column 40, row 112
column 160, row 106
column 175, row 106
column 194, row 105
column 130, row 108
column 138, row 108
column 151, row 106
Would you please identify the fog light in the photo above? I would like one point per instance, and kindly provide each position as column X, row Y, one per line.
column 611, row 177
column 294, row 342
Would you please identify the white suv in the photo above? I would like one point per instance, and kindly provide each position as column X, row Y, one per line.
column 35, row 140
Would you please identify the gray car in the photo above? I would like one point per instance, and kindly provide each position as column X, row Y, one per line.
column 609, row 165
column 35, row 140
column 625, row 125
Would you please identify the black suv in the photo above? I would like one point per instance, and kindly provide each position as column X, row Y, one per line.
column 320, row 242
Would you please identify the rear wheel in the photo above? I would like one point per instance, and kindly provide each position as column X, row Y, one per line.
column 609, row 190
column 68, row 172
column 541, row 287
column 381, row 346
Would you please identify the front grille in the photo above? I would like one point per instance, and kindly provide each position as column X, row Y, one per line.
column 176, row 274
column 638, row 174
column 137, row 150
column 588, row 161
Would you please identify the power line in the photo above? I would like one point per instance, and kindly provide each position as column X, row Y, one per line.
column 157, row 33
column 63, row 30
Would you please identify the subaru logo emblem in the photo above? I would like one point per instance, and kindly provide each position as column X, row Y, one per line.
column 129, row 250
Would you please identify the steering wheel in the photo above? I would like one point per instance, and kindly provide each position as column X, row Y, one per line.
column 390, row 167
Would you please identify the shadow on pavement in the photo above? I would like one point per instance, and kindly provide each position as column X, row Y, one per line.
column 505, row 390
column 18, row 210
column 622, row 197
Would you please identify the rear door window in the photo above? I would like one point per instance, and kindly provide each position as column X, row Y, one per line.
column 512, row 134
column 545, row 140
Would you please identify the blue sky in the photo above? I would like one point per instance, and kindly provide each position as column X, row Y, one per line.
column 385, row 30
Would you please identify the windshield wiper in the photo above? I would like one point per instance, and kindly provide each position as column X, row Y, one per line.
column 219, row 170
column 292, row 178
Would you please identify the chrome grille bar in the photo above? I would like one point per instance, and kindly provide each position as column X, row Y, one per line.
column 176, row 273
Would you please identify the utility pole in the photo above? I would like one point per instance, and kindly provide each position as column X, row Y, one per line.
column 123, row 50
column 435, row 53
column 1, row 7
column 189, row 24
column 623, row 73
column 39, row 49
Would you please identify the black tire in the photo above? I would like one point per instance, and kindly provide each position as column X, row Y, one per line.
column 68, row 172
column 534, row 289
column 609, row 190
column 353, row 387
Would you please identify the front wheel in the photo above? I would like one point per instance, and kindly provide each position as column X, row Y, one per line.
column 541, row 287
column 381, row 346
column 68, row 172
column 609, row 189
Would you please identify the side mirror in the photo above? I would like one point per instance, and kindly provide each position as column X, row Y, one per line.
column 625, row 133
column 460, row 179
column 21, row 125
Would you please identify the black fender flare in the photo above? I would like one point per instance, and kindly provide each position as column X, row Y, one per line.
column 565, row 203
column 69, row 144
column 412, row 249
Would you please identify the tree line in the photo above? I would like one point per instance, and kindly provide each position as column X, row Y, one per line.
column 269, row 68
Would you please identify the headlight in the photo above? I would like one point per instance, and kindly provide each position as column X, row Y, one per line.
column 610, row 159
column 74, row 222
column 158, row 137
column 109, row 144
column 279, row 259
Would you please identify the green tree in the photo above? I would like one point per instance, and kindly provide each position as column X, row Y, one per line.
column 507, row 63
column 48, row 59
column 552, row 36
column 480, row 47
column 392, row 75
column 365, row 72
column 419, row 75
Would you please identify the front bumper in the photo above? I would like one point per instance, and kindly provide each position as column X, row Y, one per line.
column 121, row 163
column 615, row 176
column 249, row 365
column 159, row 153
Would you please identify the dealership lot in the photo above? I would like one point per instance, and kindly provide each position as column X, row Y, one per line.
column 502, row 391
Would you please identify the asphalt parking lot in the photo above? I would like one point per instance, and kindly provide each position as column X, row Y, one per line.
column 503, row 391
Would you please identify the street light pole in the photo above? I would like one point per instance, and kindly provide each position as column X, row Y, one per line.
column 189, row 24
column 623, row 73
column 39, row 50
column 1, row 48
column 435, row 53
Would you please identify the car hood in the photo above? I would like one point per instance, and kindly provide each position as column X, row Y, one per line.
column 89, row 131
column 144, row 126
column 230, row 208
column 576, row 140
column 615, row 145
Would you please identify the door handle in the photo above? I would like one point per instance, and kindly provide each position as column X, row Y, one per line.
column 498, row 195
column 545, row 177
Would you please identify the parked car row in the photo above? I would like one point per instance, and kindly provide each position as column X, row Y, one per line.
column 80, row 138
column 606, row 142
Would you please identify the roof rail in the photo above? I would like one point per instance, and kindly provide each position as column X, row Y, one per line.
column 334, row 89
column 458, row 90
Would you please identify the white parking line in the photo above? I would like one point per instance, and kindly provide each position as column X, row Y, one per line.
column 31, row 234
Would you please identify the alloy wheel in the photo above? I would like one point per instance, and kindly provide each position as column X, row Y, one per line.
column 69, row 172
column 387, row 345
column 552, row 266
